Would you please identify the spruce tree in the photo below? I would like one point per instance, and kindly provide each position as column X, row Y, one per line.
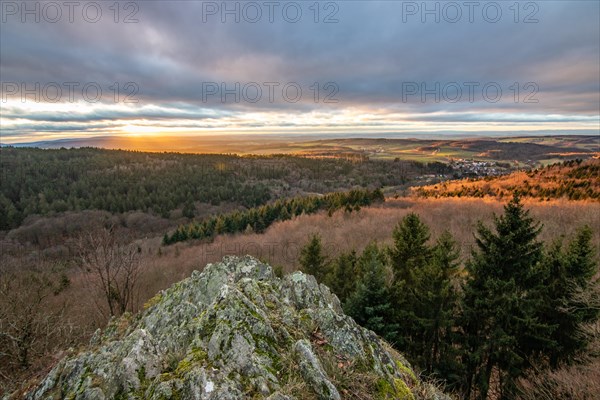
column 569, row 274
column 312, row 260
column 370, row 304
column 363, row 262
column 342, row 279
column 581, row 258
column 189, row 210
column 409, row 255
column 435, row 306
column 410, row 250
column 503, row 298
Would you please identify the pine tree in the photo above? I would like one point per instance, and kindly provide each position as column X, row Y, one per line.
column 284, row 215
column 435, row 302
column 220, row 225
column 342, row 279
column 363, row 262
column 370, row 304
column 409, row 255
column 189, row 210
column 410, row 250
column 502, row 298
column 569, row 274
column 377, row 196
column 581, row 258
column 312, row 260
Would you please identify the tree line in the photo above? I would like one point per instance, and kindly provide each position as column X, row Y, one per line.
column 517, row 305
column 258, row 219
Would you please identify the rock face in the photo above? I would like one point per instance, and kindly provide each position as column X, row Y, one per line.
column 235, row 331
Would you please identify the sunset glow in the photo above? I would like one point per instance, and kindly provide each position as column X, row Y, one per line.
column 175, row 70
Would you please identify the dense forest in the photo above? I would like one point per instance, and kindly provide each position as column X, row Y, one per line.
column 519, row 306
column 260, row 218
column 47, row 182
column 573, row 179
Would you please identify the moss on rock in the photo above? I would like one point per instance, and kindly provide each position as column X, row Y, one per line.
column 235, row 330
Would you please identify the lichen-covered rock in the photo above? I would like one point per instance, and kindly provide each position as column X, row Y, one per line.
column 312, row 372
column 235, row 331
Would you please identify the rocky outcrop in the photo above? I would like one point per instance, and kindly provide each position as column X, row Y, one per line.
column 235, row 331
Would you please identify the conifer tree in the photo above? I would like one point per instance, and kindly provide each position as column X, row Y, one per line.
column 362, row 263
column 409, row 254
column 569, row 274
column 410, row 250
column 435, row 305
column 220, row 225
column 312, row 259
column 581, row 257
column 189, row 210
column 342, row 279
column 502, row 298
column 370, row 304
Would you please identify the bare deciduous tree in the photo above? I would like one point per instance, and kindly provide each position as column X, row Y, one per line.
column 31, row 325
column 111, row 267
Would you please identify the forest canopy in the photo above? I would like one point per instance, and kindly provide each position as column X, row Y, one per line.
column 47, row 182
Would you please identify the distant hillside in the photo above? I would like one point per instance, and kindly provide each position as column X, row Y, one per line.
column 422, row 147
column 530, row 150
column 573, row 180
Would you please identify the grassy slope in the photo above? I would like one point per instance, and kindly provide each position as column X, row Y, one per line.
column 573, row 181
column 281, row 243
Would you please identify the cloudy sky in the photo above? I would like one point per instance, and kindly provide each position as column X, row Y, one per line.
column 140, row 68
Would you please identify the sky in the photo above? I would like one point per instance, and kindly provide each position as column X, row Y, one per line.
column 371, row 68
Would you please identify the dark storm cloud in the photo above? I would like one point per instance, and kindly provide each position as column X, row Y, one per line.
column 371, row 54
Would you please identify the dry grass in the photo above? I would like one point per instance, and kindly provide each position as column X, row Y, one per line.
column 281, row 243
column 579, row 381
